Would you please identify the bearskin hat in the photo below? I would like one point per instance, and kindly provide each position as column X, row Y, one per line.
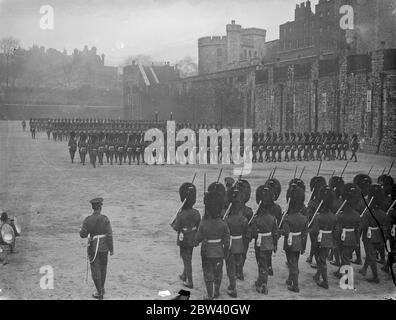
column 213, row 204
column 298, row 182
column 387, row 182
column 276, row 187
column 315, row 184
column 236, row 193
column 376, row 192
column 264, row 195
column 229, row 182
column 188, row 190
column 363, row 181
column 217, row 187
column 337, row 184
column 351, row 193
column 328, row 196
column 246, row 189
column 296, row 197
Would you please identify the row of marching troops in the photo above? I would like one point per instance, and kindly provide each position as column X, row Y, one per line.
column 337, row 217
column 122, row 139
column 303, row 147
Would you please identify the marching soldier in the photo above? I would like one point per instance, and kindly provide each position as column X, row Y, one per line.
column 268, row 147
column 294, row 229
column 316, row 184
column 72, row 146
column 274, row 148
column 354, row 147
column 239, row 231
column 214, row 234
column 266, row 233
column 101, row 150
column 348, row 225
column 372, row 238
column 293, row 147
column 287, row 146
column 391, row 234
column 280, row 147
column 345, row 147
column 186, row 224
column 248, row 214
column 324, row 230
column 300, row 146
column 82, row 149
column 100, row 242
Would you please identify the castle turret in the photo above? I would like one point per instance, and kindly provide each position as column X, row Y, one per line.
column 233, row 42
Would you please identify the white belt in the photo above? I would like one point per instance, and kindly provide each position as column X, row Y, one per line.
column 214, row 241
column 321, row 232
column 290, row 238
column 186, row 229
column 393, row 232
column 260, row 235
column 236, row 237
column 344, row 231
column 369, row 231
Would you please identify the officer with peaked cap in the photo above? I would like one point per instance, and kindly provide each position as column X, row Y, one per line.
column 97, row 229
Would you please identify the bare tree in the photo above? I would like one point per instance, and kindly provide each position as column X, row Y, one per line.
column 8, row 47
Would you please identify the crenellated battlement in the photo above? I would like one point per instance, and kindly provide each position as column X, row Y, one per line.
column 211, row 41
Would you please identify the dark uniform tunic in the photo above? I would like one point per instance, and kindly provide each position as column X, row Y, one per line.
column 215, row 237
column 372, row 237
column 324, row 230
column 265, row 232
column 98, row 228
column 349, row 236
column 186, row 226
column 239, row 231
column 295, row 230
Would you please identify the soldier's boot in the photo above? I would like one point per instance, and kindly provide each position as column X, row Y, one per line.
column 363, row 271
column 99, row 290
column 374, row 269
column 381, row 252
column 231, row 290
column 358, row 260
column 293, row 287
column 209, row 290
column 325, row 283
column 216, row 293
column 316, row 277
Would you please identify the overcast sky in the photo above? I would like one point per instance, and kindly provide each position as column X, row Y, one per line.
column 165, row 29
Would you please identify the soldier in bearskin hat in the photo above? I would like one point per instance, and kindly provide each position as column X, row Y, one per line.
column 255, row 146
column 101, row 148
column 324, row 230
column 247, row 212
column 82, row 148
column 391, row 214
column 287, row 146
column 373, row 220
column 239, row 232
column 349, row 225
column 268, row 147
column 315, row 184
column 345, row 147
column 281, row 147
column 72, row 144
column 300, row 146
column 274, row 148
column 214, row 234
column 293, row 146
column 294, row 229
column 337, row 184
column 186, row 225
column 266, row 233
column 261, row 147
column 354, row 147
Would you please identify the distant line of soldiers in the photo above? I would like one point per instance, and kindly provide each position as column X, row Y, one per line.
column 122, row 139
column 336, row 219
